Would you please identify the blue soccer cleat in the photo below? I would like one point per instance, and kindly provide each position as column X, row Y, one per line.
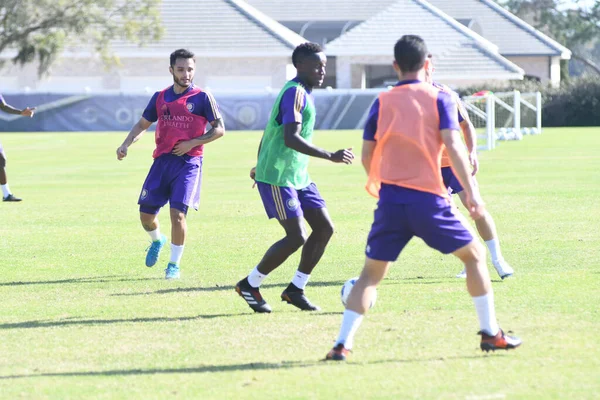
column 172, row 271
column 154, row 251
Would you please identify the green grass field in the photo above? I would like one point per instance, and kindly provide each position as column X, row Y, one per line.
column 82, row 317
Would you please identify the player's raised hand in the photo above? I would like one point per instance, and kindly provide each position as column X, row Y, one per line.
column 476, row 205
column 253, row 175
column 28, row 112
column 121, row 152
column 474, row 161
column 343, row 156
column 182, row 148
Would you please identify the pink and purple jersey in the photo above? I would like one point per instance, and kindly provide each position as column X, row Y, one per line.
column 180, row 117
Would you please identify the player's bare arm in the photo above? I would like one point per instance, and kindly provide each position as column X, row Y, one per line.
column 367, row 154
column 460, row 165
column 27, row 112
column 134, row 135
column 217, row 131
column 293, row 140
column 470, row 136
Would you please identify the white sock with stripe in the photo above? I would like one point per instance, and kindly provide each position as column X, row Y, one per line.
column 255, row 278
column 300, row 279
column 176, row 253
column 154, row 235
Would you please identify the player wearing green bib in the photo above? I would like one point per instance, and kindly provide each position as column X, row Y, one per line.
column 287, row 192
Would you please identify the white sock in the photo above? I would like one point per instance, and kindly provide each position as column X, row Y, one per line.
column 255, row 278
column 494, row 247
column 155, row 234
column 5, row 190
column 300, row 279
column 176, row 253
column 486, row 313
column 350, row 324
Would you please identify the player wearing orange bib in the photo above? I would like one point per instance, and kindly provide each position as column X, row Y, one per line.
column 485, row 225
column 413, row 122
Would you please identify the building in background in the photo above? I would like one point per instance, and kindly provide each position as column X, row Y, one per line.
column 245, row 45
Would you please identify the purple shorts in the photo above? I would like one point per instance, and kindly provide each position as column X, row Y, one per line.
column 174, row 179
column 285, row 202
column 451, row 181
column 432, row 219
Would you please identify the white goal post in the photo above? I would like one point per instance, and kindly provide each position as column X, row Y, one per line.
column 504, row 116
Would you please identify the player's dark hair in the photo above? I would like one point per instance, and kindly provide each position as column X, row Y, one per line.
column 410, row 53
column 304, row 50
column 180, row 53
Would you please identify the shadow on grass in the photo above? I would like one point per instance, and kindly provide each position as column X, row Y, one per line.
column 94, row 279
column 220, row 288
column 73, row 321
column 201, row 369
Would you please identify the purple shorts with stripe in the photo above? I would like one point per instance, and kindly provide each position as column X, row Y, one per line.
column 285, row 202
column 172, row 179
column 432, row 219
column 451, row 181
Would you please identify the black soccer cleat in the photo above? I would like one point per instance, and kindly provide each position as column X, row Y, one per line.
column 338, row 353
column 498, row 342
column 252, row 296
column 11, row 197
column 298, row 299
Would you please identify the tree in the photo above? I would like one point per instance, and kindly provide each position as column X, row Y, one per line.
column 39, row 30
column 577, row 28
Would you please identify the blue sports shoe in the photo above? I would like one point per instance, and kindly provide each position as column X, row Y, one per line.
column 172, row 271
column 154, row 251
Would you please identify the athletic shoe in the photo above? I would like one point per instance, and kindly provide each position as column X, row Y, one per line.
column 11, row 197
column 154, row 251
column 172, row 271
column 503, row 269
column 338, row 353
column 298, row 299
column 462, row 275
column 252, row 296
column 498, row 342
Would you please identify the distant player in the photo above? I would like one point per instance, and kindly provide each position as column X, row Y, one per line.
column 403, row 139
column 26, row 112
column 183, row 112
column 287, row 192
column 485, row 225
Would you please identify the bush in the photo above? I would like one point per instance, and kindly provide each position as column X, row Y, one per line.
column 575, row 103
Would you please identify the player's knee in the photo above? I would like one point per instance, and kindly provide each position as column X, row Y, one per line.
column 326, row 231
column 474, row 252
column 2, row 161
column 477, row 252
column 297, row 240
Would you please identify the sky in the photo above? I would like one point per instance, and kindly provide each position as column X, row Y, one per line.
column 580, row 4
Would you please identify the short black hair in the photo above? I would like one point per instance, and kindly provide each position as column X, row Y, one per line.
column 303, row 50
column 410, row 53
column 180, row 53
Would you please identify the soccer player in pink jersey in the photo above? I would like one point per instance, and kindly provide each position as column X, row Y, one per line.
column 406, row 130
column 486, row 226
column 182, row 113
column 26, row 112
